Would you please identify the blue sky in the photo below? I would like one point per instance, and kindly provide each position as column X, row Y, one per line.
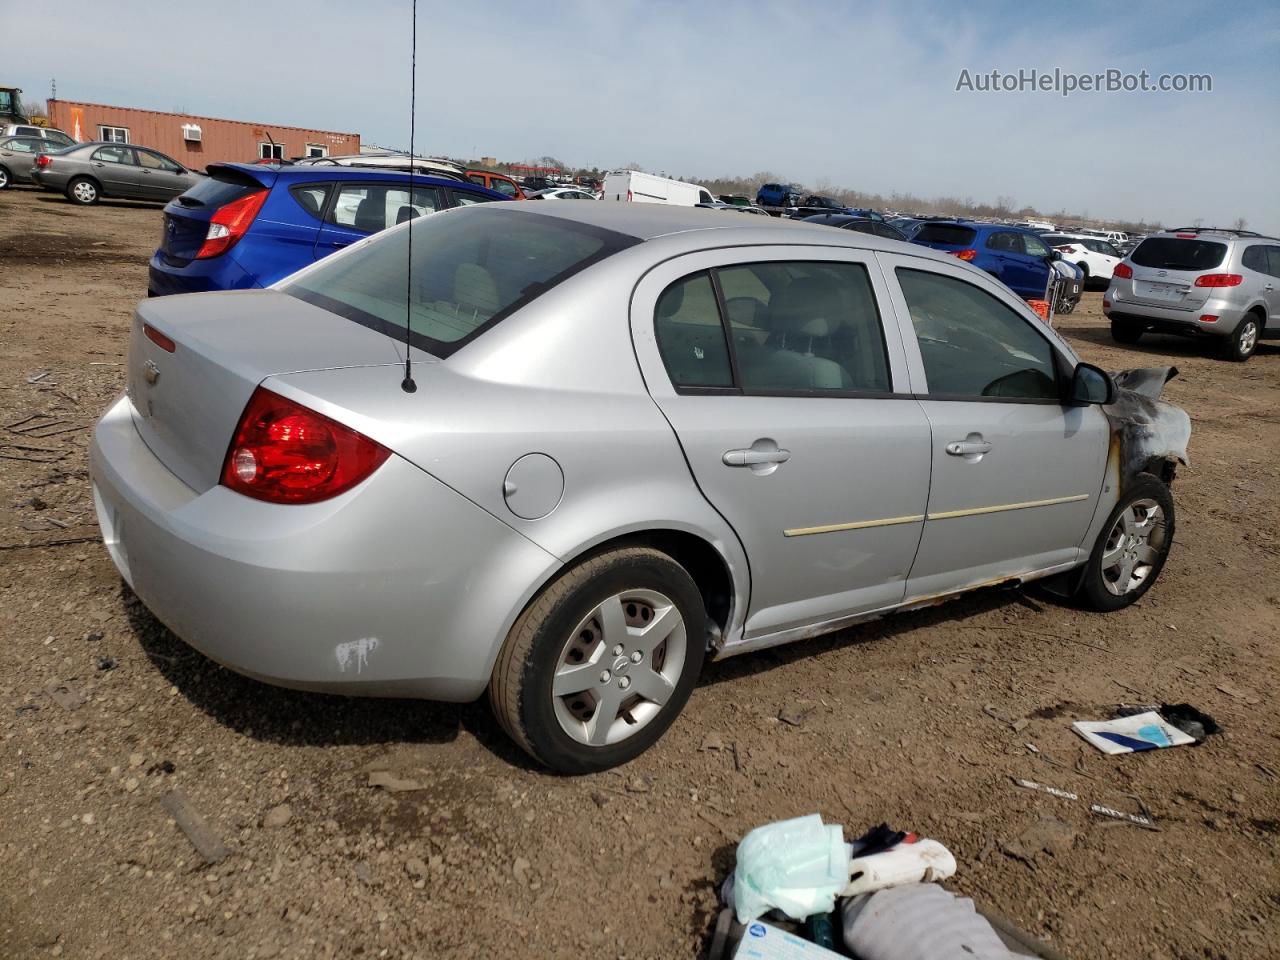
column 853, row 94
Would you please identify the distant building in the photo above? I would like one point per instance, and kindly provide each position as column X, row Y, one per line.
column 196, row 141
column 489, row 162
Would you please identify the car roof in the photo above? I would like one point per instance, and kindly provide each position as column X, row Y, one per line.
column 653, row 221
column 313, row 173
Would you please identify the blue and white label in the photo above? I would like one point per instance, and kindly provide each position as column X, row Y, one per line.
column 757, row 930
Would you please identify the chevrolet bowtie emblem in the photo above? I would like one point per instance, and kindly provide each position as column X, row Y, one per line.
column 151, row 372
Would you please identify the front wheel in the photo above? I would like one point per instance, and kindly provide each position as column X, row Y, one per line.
column 83, row 190
column 4, row 177
column 1132, row 548
column 602, row 661
column 1244, row 340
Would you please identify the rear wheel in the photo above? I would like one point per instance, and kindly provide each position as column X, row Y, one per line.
column 1243, row 341
column 83, row 190
column 1132, row 548
column 1126, row 331
column 602, row 661
column 4, row 177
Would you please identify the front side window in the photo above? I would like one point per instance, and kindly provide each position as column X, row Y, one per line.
column 973, row 345
column 469, row 271
column 114, row 155
column 1034, row 246
column 153, row 161
column 1274, row 258
column 113, row 134
column 271, row 151
column 794, row 327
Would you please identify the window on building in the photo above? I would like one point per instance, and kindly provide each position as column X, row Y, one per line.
column 271, row 151
column 113, row 134
column 317, row 150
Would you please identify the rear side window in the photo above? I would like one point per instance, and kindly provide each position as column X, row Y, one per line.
column 370, row 207
column 973, row 345
column 311, row 197
column 470, row 270
column 948, row 233
column 1179, row 253
column 691, row 336
column 795, row 327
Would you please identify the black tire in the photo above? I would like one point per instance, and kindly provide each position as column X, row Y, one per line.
column 5, row 177
column 1243, row 341
column 1093, row 589
column 1126, row 331
column 84, row 191
column 520, row 689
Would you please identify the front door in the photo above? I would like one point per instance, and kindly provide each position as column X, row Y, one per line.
column 162, row 178
column 791, row 424
column 1016, row 472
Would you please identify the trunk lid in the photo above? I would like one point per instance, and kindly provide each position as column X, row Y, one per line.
column 188, row 401
column 186, row 218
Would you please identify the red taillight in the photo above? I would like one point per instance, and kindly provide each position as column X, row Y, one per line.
column 1185, row 236
column 1208, row 318
column 44, row 160
column 963, row 254
column 1106, row 305
column 158, row 338
column 229, row 224
column 1219, row 280
column 1123, row 271
column 284, row 453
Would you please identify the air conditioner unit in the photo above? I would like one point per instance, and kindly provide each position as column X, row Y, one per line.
column 191, row 132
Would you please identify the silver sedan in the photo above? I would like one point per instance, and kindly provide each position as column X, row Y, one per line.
column 629, row 438
column 88, row 172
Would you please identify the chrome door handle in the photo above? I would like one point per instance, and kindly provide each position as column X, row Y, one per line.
column 968, row 448
column 751, row 457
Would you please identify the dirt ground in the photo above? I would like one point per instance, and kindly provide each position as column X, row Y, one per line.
column 921, row 721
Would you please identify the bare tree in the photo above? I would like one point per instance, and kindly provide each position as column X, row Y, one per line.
column 1239, row 223
column 35, row 108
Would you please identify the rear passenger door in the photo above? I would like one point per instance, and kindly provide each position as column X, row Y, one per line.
column 1016, row 473
column 360, row 208
column 116, row 168
column 798, row 426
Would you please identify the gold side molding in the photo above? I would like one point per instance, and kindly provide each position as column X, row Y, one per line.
column 1001, row 508
column 856, row 525
column 943, row 515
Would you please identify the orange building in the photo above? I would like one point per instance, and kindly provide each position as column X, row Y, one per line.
column 196, row 141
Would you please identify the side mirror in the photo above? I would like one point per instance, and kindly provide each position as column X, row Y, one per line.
column 1090, row 384
column 1055, row 254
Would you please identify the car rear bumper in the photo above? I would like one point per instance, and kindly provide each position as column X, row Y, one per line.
column 1119, row 305
column 198, row 276
column 399, row 587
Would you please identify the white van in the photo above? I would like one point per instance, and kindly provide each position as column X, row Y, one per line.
column 646, row 188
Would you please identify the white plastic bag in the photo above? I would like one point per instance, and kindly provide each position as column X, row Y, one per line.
column 796, row 866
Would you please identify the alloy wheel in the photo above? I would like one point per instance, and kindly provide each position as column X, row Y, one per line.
column 1248, row 338
column 619, row 667
column 1133, row 547
column 4, row 178
column 85, row 192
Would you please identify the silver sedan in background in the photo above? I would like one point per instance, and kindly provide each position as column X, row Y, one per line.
column 632, row 437
column 18, row 156
column 88, row 172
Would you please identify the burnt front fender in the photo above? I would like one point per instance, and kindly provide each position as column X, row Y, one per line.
column 1148, row 435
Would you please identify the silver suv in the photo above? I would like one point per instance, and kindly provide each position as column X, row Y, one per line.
column 1199, row 281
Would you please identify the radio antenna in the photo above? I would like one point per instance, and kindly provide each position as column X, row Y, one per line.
column 407, row 384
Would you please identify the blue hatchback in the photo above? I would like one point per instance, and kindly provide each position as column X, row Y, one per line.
column 250, row 225
column 1013, row 255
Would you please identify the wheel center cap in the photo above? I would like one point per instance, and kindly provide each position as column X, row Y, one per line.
column 621, row 666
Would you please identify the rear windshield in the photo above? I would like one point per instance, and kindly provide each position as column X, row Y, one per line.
column 471, row 268
column 945, row 233
column 1176, row 253
column 218, row 189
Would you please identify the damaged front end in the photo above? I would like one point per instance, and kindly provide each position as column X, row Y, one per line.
column 1148, row 435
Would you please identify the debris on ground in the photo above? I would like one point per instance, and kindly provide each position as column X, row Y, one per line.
column 393, row 784
column 1141, row 731
column 64, row 694
column 207, row 843
column 277, row 817
column 1048, row 835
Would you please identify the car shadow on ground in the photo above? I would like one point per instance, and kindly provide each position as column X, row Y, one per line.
column 286, row 717
column 950, row 613
column 123, row 204
column 1158, row 344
